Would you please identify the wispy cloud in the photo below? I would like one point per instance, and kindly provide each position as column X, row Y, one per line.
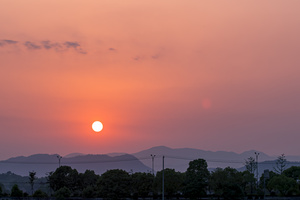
column 5, row 42
column 31, row 45
column 112, row 49
column 45, row 44
column 146, row 57
column 137, row 58
column 156, row 56
column 72, row 44
column 76, row 46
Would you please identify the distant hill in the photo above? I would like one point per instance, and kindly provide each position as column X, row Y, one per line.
column 45, row 163
column 175, row 158
column 179, row 158
column 270, row 165
column 73, row 155
column 7, row 180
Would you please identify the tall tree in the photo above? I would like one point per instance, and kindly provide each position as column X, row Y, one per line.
column 32, row 178
column 293, row 172
column 173, row 181
column 280, row 164
column 16, row 192
column 251, row 167
column 63, row 193
column 39, row 193
column 263, row 182
column 227, row 183
column 248, row 182
column 142, row 184
column 88, row 181
column 114, row 184
column 197, row 176
column 282, row 184
column 89, row 177
column 64, row 176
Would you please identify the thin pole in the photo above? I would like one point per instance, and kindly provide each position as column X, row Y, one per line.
column 59, row 157
column 152, row 163
column 264, row 186
column 257, row 154
column 266, row 176
column 163, row 178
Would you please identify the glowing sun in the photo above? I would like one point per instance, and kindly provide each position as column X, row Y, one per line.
column 97, row 126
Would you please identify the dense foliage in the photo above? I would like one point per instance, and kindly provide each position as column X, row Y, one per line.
column 196, row 182
column 197, row 176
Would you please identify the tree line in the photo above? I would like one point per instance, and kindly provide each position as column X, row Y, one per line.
column 196, row 182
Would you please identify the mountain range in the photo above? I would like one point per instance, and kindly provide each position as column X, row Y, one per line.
column 177, row 158
column 42, row 164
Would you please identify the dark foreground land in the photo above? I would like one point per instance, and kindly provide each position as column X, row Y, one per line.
column 81, row 198
column 196, row 183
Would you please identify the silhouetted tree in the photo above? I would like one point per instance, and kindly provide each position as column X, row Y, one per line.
column 251, row 166
column 64, row 176
column 62, row 193
column 226, row 183
column 197, row 176
column 89, row 192
column 88, row 183
column 261, row 181
column 141, row 184
column 15, row 191
column 39, row 193
column 293, row 172
column 89, row 177
column 1, row 191
column 280, row 164
column 174, row 182
column 248, row 182
column 282, row 184
column 114, row 184
column 32, row 178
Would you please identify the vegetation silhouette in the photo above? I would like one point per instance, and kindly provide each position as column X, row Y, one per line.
column 197, row 182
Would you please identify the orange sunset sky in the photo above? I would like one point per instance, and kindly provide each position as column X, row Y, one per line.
column 212, row 75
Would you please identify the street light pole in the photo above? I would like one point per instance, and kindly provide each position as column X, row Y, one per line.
column 266, row 176
column 256, row 154
column 59, row 157
column 163, row 178
column 153, row 156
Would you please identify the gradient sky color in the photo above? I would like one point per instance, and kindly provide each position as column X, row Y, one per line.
column 212, row 75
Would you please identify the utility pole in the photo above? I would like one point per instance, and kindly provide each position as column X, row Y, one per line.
column 59, row 157
column 266, row 176
column 163, row 178
column 153, row 156
column 256, row 154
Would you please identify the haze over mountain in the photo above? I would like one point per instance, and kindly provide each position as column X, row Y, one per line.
column 45, row 163
column 73, row 155
column 271, row 166
column 177, row 158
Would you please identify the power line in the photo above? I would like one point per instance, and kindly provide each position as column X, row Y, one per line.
column 142, row 158
column 38, row 183
column 74, row 162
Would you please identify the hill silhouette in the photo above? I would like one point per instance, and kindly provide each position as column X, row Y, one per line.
column 179, row 158
column 42, row 164
column 175, row 158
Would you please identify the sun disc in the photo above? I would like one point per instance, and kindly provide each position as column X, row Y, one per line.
column 97, row 126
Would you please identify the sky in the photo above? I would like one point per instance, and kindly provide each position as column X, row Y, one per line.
column 212, row 75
